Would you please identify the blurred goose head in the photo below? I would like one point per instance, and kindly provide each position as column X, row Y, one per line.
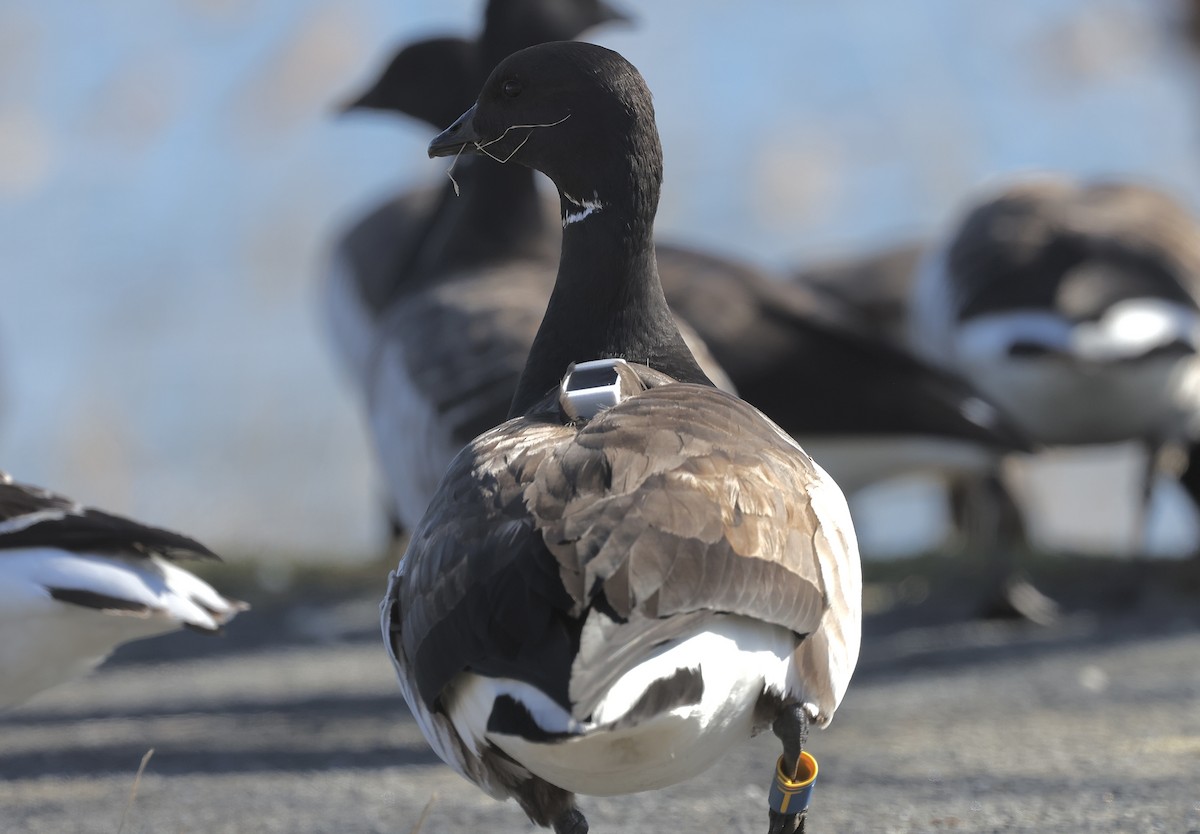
column 434, row 79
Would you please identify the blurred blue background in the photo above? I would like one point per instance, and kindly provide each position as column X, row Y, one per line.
column 171, row 177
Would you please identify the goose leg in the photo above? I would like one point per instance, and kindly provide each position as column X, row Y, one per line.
column 571, row 821
column 545, row 804
column 397, row 539
column 1141, row 538
column 1189, row 478
column 795, row 773
column 996, row 527
column 396, row 529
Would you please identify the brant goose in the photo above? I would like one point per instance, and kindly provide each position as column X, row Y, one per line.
column 76, row 582
column 638, row 569
column 385, row 253
column 1075, row 307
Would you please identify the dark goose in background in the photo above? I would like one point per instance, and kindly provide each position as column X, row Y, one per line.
column 1074, row 306
column 386, row 252
column 602, row 599
column 76, row 582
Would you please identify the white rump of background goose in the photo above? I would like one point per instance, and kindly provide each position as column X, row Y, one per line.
column 76, row 582
column 637, row 567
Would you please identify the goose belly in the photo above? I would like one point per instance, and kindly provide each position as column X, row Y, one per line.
column 613, row 752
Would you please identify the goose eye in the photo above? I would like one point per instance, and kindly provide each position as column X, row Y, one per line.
column 512, row 88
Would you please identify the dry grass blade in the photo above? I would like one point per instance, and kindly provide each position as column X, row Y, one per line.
column 482, row 146
column 137, row 780
column 450, row 170
column 424, row 814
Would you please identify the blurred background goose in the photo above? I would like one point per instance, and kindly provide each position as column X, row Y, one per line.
column 76, row 582
column 1074, row 306
column 396, row 247
column 638, row 570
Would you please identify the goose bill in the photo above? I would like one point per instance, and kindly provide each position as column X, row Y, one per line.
column 458, row 137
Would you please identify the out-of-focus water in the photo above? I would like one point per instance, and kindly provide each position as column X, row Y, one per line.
column 170, row 177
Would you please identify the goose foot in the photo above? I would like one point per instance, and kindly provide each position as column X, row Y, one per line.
column 787, row 823
column 1018, row 599
column 571, row 822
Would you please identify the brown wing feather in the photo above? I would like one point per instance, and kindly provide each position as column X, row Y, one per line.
column 682, row 499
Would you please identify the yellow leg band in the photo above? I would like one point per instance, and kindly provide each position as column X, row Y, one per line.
column 791, row 795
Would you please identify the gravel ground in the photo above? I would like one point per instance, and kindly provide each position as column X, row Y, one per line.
column 1089, row 726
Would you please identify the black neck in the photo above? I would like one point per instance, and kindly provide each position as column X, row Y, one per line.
column 496, row 215
column 607, row 302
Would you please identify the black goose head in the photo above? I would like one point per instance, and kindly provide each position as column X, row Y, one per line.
column 577, row 112
column 436, row 79
column 1191, row 23
column 430, row 80
column 512, row 25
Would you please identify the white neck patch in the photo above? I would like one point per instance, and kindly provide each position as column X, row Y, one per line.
column 586, row 208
